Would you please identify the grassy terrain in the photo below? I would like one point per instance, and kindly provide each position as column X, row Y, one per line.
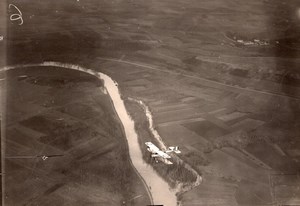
column 88, row 160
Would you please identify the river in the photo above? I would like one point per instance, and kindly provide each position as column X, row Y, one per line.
column 160, row 191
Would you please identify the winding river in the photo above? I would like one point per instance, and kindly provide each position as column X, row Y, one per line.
column 159, row 190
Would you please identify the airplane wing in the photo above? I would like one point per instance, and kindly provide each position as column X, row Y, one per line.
column 152, row 147
column 156, row 151
column 164, row 155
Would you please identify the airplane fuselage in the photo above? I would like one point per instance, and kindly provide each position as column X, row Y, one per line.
column 157, row 153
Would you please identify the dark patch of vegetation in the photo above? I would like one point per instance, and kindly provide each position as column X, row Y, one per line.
column 43, row 124
column 175, row 173
column 61, row 81
column 206, row 129
column 239, row 72
column 239, row 139
column 196, row 158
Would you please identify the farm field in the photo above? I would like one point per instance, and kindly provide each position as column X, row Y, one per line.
column 64, row 143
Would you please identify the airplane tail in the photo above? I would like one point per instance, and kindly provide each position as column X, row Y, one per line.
column 173, row 149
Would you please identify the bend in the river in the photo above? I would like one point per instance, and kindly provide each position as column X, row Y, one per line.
column 159, row 190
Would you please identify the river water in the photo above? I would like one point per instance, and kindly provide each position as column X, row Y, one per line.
column 160, row 191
